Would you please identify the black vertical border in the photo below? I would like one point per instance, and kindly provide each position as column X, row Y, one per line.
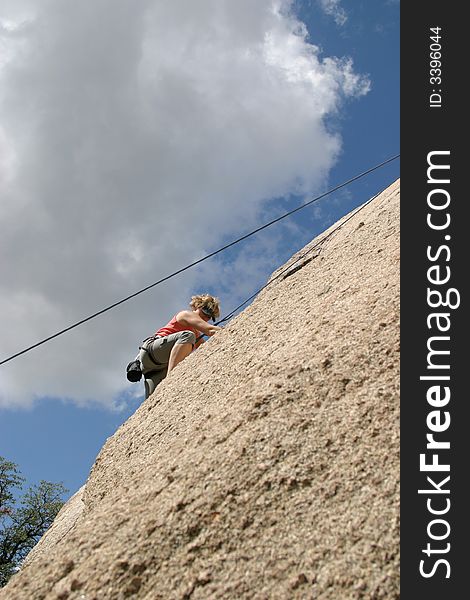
column 425, row 129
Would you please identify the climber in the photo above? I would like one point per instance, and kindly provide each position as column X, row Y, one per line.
column 160, row 353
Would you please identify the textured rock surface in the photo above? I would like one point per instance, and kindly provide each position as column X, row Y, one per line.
column 267, row 464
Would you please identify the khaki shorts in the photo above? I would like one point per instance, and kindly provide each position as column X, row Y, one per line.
column 155, row 354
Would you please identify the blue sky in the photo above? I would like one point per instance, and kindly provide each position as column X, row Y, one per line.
column 137, row 153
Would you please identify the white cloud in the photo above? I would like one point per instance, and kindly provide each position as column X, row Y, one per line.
column 135, row 137
column 334, row 9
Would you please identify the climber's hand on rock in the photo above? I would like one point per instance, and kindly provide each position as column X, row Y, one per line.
column 213, row 329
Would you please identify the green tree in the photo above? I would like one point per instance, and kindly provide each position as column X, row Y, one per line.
column 23, row 521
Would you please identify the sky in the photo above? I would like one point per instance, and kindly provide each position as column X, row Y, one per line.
column 137, row 137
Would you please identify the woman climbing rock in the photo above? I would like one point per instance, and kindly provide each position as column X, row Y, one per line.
column 160, row 353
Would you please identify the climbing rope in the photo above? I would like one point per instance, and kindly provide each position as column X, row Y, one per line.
column 223, row 248
column 290, row 266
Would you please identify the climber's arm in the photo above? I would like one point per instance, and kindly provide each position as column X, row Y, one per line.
column 188, row 317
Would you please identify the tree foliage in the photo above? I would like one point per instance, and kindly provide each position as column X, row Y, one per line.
column 23, row 520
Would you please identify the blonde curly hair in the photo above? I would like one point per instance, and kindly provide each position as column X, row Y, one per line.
column 211, row 303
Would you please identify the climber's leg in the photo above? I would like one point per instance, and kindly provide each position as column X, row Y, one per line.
column 152, row 379
column 178, row 353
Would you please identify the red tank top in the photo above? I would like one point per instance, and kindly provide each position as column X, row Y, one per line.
column 173, row 327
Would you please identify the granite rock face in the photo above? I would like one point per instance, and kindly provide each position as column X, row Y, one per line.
column 266, row 466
